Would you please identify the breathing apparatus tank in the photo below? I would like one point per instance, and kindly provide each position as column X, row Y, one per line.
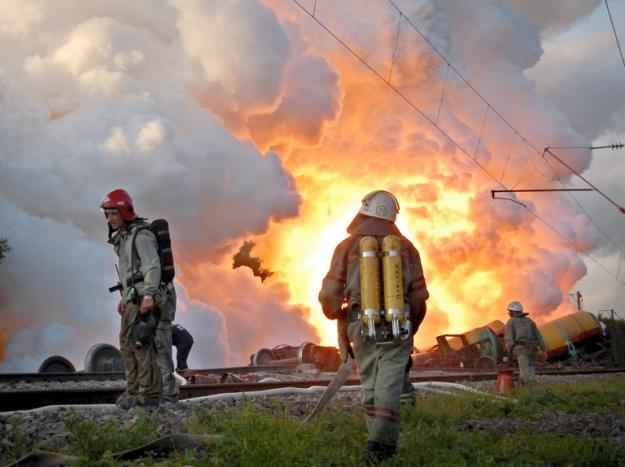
column 393, row 284
column 370, row 284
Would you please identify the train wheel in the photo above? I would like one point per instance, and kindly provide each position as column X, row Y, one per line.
column 56, row 364
column 103, row 358
column 262, row 357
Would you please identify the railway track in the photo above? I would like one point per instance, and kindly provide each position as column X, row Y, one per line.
column 7, row 378
column 25, row 400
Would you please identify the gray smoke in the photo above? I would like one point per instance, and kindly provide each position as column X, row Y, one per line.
column 582, row 74
column 553, row 16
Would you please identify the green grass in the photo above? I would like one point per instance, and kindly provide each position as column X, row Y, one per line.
column 17, row 437
column 600, row 397
column 94, row 442
column 431, row 434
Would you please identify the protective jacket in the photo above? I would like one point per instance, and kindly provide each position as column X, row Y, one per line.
column 147, row 262
column 521, row 330
column 342, row 282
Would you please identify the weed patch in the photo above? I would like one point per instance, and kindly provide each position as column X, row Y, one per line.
column 95, row 441
column 16, row 440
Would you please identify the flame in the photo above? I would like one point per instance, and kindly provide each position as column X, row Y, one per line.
column 304, row 249
column 301, row 249
column 468, row 243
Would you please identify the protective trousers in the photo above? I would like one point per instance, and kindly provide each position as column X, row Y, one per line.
column 162, row 341
column 408, row 393
column 142, row 375
column 182, row 353
column 526, row 356
column 382, row 371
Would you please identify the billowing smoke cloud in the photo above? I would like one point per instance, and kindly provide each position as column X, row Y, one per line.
column 570, row 68
column 582, row 73
column 236, row 73
column 55, row 300
column 478, row 253
column 54, row 297
column 265, row 97
column 106, row 96
column 175, row 159
column 245, row 120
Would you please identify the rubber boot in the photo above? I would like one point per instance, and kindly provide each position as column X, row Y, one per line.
column 377, row 453
column 126, row 401
column 408, row 395
column 148, row 403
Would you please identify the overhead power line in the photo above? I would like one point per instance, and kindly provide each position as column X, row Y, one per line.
column 434, row 123
column 534, row 149
column 398, row 92
column 539, row 190
column 614, row 147
column 618, row 42
column 588, row 182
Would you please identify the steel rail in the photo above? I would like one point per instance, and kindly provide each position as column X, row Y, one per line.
column 116, row 375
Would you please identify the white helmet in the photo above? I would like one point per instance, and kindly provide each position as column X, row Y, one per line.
column 515, row 308
column 381, row 204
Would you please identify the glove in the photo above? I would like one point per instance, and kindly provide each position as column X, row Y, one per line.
column 121, row 307
column 147, row 304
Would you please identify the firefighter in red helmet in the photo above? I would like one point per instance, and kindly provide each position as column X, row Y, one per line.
column 146, row 306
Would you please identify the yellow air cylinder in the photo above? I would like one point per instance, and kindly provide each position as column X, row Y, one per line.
column 370, row 283
column 393, row 282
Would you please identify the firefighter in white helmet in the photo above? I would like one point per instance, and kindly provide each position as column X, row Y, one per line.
column 376, row 257
column 523, row 339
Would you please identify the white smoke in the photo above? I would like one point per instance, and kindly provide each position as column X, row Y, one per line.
column 165, row 99
column 55, row 299
column 236, row 73
column 104, row 95
column 207, row 326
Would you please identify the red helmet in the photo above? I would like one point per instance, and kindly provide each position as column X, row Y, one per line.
column 120, row 199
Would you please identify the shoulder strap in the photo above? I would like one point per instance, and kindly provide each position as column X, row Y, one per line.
column 133, row 252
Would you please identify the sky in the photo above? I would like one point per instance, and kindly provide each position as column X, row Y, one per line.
column 246, row 121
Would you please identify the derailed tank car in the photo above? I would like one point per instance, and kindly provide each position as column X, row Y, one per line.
column 577, row 336
column 479, row 348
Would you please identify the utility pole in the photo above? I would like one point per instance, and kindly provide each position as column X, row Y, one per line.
column 616, row 338
column 580, row 300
